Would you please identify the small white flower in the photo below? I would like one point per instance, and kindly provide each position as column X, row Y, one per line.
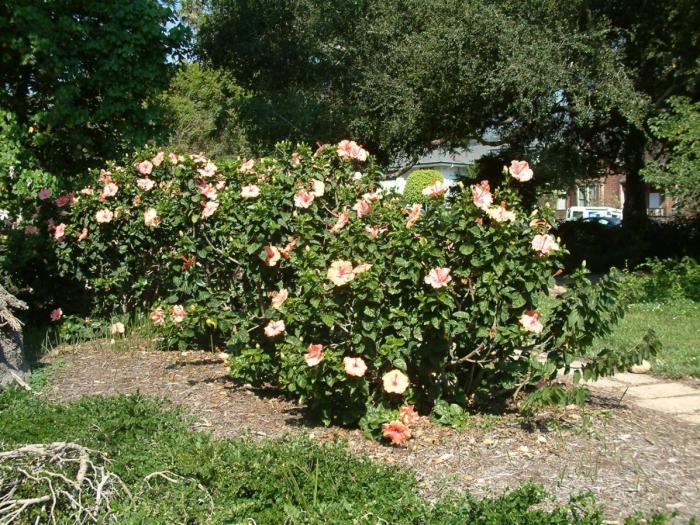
column 4, row 214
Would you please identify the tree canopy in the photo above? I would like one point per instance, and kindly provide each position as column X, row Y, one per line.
column 81, row 76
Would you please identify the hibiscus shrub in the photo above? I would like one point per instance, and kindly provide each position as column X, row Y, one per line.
column 321, row 284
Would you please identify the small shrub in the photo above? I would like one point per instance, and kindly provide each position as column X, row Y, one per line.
column 658, row 280
column 417, row 181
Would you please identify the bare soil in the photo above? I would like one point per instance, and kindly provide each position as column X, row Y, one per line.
column 630, row 458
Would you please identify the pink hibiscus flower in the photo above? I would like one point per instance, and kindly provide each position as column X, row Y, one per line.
column 520, row 170
column 145, row 167
column 318, row 188
column 303, row 198
column 158, row 159
column 481, row 195
column 44, row 194
column 530, row 321
column 278, row 298
column 145, row 184
column 273, row 255
column 150, row 217
column 349, row 149
column 362, row 208
column 110, row 190
column 65, row 200
column 158, row 316
column 544, row 243
column 104, row 216
column 274, row 328
column 396, row 432
column 209, row 209
column 251, row 191
column 342, row 221
column 374, row 231
column 413, row 215
column 354, row 366
column 395, row 382
column 178, row 313
column 314, row 355
column 175, row 159
column 437, row 189
column 60, row 232
column 341, row 272
column 56, row 315
column 500, row 214
column 207, row 190
column 408, row 415
column 247, row 166
column 209, row 170
column 87, row 191
column 438, row 277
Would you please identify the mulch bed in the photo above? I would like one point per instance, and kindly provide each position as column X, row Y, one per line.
column 630, row 459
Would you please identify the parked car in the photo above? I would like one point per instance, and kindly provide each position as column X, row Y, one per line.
column 606, row 222
column 584, row 212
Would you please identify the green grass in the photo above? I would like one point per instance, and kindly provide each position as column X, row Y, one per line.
column 288, row 481
column 677, row 325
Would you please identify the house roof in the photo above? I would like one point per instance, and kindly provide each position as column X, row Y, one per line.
column 456, row 157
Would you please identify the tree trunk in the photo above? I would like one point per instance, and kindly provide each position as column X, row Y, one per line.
column 635, row 219
column 12, row 360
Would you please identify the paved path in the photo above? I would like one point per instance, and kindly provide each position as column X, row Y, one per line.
column 675, row 399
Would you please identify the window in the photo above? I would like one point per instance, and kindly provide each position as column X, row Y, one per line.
column 588, row 194
column 655, row 200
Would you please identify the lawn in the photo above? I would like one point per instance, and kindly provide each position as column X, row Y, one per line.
column 677, row 325
column 177, row 475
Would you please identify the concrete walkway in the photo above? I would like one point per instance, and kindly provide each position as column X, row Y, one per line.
column 672, row 398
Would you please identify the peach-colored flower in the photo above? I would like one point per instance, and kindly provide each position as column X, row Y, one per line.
column 56, row 314
column 278, row 298
column 104, row 216
column 361, row 268
column 206, row 189
column 396, row 432
column 520, row 170
column 145, row 184
column 220, row 185
column 150, row 217
column 362, row 208
column 500, row 214
column 354, row 366
column 145, row 167
column 175, row 159
column 209, row 170
column 83, row 235
column 481, row 195
column 395, row 382
column 544, row 243
column 296, row 160
column 65, row 200
column 413, row 215
column 274, row 328
column 87, row 191
column 408, row 414
column 314, row 355
column 117, row 328
column 209, row 209
column 250, row 191
column 199, row 158
column 438, row 277
column 178, row 313
column 318, row 188
column 303, row 198
column 247, row 166
column 110, row 190
column 44, row 194
column 158, row 316
column 341, row 222
column 158, row 159
column 286, row 252
column 273, row 255
column 349, row 149
column 437, row 189
column 540, row 223
column 371, row 196
column 374, row 231
column 105, row 176
column 530, row 321
column 341, row 272
column 60, row 232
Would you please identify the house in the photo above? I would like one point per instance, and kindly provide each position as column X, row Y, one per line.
column 608, row 191
column 453, row 165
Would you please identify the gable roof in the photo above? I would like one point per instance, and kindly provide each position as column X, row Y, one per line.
column 456, row 157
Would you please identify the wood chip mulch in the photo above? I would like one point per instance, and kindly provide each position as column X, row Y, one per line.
column 631, row 459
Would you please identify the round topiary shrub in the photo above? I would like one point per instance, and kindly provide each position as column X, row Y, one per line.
column 417, row 181
column 320, row 284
